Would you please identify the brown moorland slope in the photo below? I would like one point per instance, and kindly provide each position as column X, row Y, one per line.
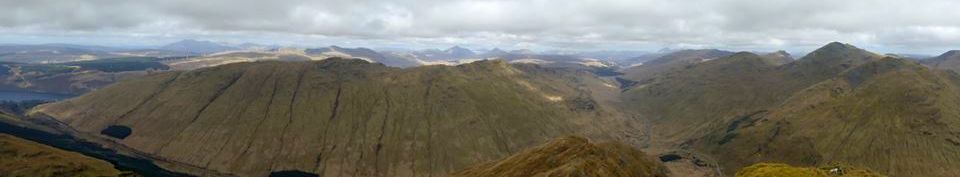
column 687, row 103
column 341, row 117
column 23, row 158
column 891, row 115
column 784, row 170
column 948, row 61
column 571, row 156
column 838, row 104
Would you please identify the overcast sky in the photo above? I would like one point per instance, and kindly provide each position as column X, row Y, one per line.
column 906, row 26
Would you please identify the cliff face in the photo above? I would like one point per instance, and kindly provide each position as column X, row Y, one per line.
column 343, row 117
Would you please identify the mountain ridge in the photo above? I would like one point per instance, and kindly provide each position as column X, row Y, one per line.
column 901, row 101
column 342, row 108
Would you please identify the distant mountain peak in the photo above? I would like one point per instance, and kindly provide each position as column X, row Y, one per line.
column 495, row 52
column 950, row 54
column 522, row 51
column 457, row 48
column 744, row 54
column 836, row 44
column 949, row 60
column 665, row 50
column 840, row 51
column 459, row 52
column 197, row 46
column 779, row 57
column 781, row 52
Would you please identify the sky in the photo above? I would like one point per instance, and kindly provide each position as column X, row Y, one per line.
column 892, row 26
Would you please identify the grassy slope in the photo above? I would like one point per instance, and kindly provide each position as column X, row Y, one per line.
column 343, row 117
column 688, row 103
column 948, row 61
column 19, row 157
column 571, row 156
column 891, row 115
column 673, row 61
column 784, row 170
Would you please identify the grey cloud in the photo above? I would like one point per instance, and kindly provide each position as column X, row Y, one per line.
column 543, row 23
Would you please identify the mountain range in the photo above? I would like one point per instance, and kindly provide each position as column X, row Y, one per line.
column 339, row 111
column 339, row 117
column 838, row 103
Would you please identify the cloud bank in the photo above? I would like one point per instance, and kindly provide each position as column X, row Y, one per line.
column 917, row 25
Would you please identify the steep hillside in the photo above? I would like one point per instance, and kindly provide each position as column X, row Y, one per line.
column 891, row 115
column 571, row 156
column 22, row 158
column 948, row 61
column 670, row 62
column 688, row 102
column 343, row 117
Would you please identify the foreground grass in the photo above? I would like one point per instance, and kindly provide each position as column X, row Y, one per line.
column 19, row 157
column 784, row 170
